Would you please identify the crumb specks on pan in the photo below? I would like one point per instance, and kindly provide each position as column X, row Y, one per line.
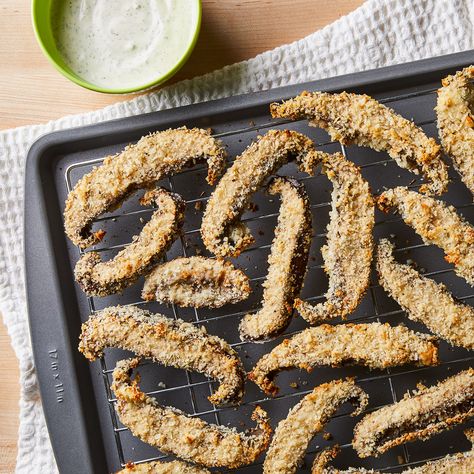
column 99, row 278
column 174, row 432
column 138, row 166
column 459, row 463
column 360, row 119
column 348, row 251
column 287, row 263
column 169, row 342
column 197, row 282
column 425, row 300
column 417, row 417
column 373, row 345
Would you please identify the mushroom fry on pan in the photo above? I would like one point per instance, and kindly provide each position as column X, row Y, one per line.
column 287, row 263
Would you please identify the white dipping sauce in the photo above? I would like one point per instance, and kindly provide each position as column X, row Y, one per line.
column 120, row 44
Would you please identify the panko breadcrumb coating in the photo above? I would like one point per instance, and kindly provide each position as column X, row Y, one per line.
column 456, row 122
column 138, row 166
column 436, row 223
column 305, row 420
column 222, row 231
column 166, row 341
column 348, row 252
column 160, row 467
column 459, row 463
column 361, row 120
column 287, row 263
column 99, row 278
column 197, row 282
column 424, row 300
column 373, row 345
column 417, row 417
column 189, row 438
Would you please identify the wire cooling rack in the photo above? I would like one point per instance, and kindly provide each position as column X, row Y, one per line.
column 190, row 392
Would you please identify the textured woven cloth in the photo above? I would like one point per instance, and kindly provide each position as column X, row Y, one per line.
column 379, row 33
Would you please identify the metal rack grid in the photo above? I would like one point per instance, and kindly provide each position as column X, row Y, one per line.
column 376, row 315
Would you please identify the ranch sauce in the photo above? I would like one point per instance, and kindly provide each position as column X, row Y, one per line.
column 122, row 43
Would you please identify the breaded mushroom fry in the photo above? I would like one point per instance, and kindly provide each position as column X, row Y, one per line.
column 455, row 111
column 138, row 166
column 417, row 417
column 189, row 438
column 222, row 231
column 305, row 420
column 197, row 282
column 348, row 251
column 99, row 278
column 166, row 341
column 361, row 120
column 159, row 467
column 373, row 345
column 459, row 463
column 436, row 223
column 287, row 263
column 424, row 300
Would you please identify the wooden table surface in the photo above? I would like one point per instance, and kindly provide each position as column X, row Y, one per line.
column 31, row 91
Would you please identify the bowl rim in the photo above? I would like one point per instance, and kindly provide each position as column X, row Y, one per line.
column 126, row 90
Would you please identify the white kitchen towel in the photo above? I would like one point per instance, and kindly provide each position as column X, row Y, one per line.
column 379, row 33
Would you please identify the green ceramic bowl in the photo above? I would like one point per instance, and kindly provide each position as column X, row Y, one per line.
column 41, row 16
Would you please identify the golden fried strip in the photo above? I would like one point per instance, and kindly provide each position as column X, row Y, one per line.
column 169, row 342
column 287, row 263
column 159, row 467
column 436, row 223
column 305, row 420
column 196, row 282
column 424, row 300
column 373, row 345
column 348, row 252
column 189, row 438
column 459, row 463
column 221, row 230
column 456, row 122
column 417, row 417
column 152, row 158
column 99, row 278
column 359, row 119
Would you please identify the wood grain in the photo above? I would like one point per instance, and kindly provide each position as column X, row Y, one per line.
column 31, row 91
column 9, row 396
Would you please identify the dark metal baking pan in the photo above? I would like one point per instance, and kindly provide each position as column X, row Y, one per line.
column 85, row 433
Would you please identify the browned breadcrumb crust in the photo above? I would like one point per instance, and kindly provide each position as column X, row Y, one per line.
column 305, row 420
column 324, row 457
column 287, row 262
column 197, row 282
column 348, row 252
column 166, row 341
column 417, row 417
column 99, row 278
column 222, row 231
column 189, row 438
column 141, row 165
column 361, row 120
column 459, row 463
column 436, row 223
column 424, row 300
column 373, row 345
column 456, row 122
column 159, row 467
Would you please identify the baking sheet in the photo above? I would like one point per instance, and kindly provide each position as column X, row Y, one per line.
column 86, row 434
